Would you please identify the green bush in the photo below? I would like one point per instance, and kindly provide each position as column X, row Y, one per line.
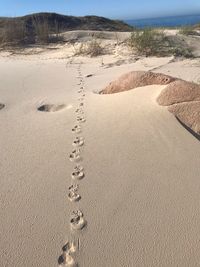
column 182, row 52
column 148, row 42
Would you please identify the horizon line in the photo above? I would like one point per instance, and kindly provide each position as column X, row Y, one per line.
column 125, row 19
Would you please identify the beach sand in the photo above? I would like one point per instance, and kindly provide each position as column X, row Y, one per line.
column 140, row 194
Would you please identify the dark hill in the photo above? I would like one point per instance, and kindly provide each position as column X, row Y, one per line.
column 67, row 23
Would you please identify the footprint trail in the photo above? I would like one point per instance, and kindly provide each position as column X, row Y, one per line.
column 77, row 219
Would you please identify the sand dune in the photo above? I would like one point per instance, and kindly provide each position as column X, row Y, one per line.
column 188, row 113
column 176, row 91
column 116, row 173
column 136, row 79
column 179, row 91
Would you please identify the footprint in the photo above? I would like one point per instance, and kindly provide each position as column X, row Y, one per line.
column 89, row 75
column 51, row 107
column 67, row 260
column 79, row 141
column 2, row 106
column 77, row 220
column 78, row 168
column 79, row 110
column 81, row 104
column 69, row 247
column 73, row 193
column 76, row 129
column 75, row 155
column 81, row 119
column 78, row 173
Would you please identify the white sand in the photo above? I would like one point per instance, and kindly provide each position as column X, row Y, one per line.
column 140, row 196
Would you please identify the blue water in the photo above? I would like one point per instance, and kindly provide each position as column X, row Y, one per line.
column 165, row 21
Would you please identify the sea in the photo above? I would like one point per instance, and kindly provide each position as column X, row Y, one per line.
column 175, row 21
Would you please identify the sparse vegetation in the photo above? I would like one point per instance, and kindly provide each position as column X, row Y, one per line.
column 150, row 42
column 46, row 27
column 188, row 30
column 92, row 48
column 14, row 34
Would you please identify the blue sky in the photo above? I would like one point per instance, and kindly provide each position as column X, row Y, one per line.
column 121, row 9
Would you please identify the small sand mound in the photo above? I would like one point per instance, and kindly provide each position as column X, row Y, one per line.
column 2, row 106
column 188, row 113
column 51, row 107
column 179, row 91
column 136, row 79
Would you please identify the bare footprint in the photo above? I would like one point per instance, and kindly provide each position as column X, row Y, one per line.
column 2, row 106
column 76, row 129
column 75, row 155
column 73, row 193
column 77, row 220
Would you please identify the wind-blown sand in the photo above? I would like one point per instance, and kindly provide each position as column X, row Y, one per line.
column 140, row 194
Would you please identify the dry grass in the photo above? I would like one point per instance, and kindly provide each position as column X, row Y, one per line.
column 15, row 34
column 151, row 42
column 92, row 48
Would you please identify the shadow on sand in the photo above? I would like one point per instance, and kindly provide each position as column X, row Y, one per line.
column 197, row 136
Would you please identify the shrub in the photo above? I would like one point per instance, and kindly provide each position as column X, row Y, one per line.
column 154, row 43
column 13, row 33
column 92, row 48
column 182, row 52
column 41, row 30
column 148, row 42
column 188, row 30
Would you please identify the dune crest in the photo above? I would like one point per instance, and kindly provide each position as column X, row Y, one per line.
column 179, row 91
column 182, row 97
column 136, row 79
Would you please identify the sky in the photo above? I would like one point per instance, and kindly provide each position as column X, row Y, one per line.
column 116, row 9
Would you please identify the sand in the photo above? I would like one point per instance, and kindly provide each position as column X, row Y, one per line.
column 135, row 79
column 140, row 194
